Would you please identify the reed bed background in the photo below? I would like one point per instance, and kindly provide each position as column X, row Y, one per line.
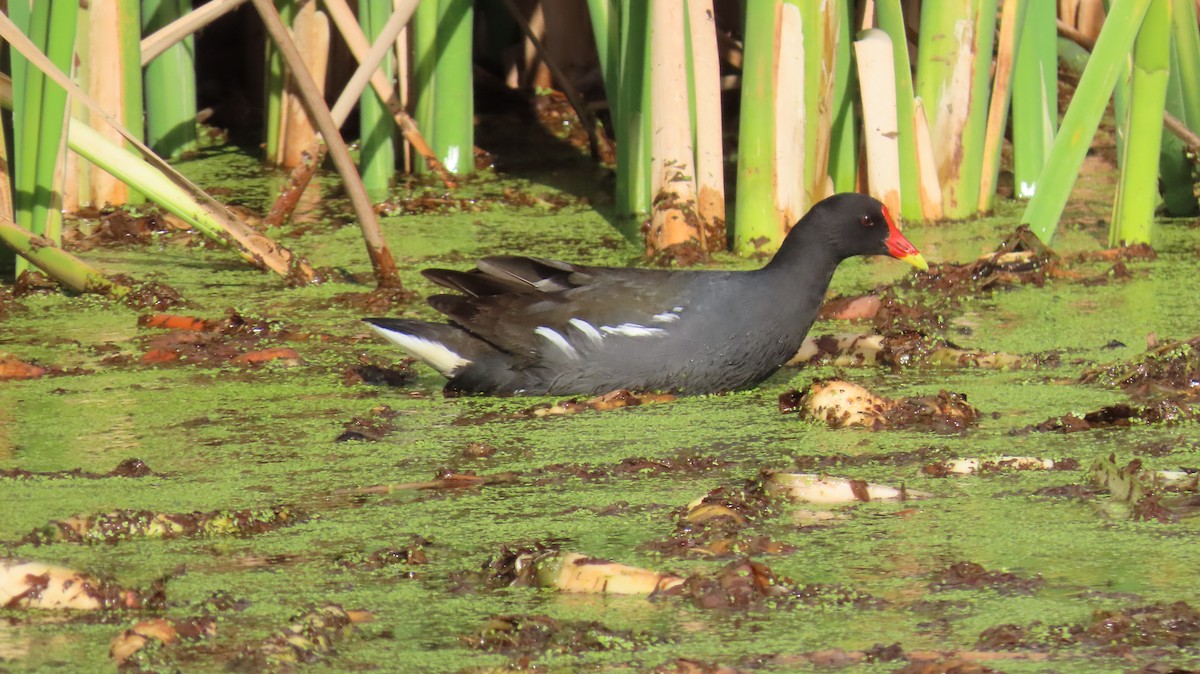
column 757, row 109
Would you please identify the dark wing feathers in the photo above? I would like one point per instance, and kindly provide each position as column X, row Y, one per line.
column 536, row 273
column 507, row 298
column 473, row 283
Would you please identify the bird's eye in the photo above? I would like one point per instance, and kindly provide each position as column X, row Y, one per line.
column 866, row 221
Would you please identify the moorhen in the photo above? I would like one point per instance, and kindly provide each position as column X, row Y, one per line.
column 533, row 326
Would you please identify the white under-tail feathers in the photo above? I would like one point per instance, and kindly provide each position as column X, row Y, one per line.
column 434, row 354
column 448, row 362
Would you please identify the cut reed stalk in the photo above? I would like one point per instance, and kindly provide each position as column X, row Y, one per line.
column 1083, row 116
column 424, row 53
column 1035, row 97
column 382, row 262
column 1012, row 20
column 453, row 140
column 953, row 67
column 46, row 255
column 706, row 105
column 673, row 220
column 843, row 151
column 1137, row 189
column 874, row 52
column 377, row 152
column 252, row 245
column 170, row 84
column 633, row 120
column 890, row 16
column 758, row 224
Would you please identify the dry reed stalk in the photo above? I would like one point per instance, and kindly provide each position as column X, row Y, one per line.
column 878, row 78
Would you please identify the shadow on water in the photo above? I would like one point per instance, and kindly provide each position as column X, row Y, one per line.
column 523, row 147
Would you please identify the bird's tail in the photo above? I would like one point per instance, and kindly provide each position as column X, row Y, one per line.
column 443, row 347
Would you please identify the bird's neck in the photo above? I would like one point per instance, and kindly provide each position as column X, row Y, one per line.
column 805, row 257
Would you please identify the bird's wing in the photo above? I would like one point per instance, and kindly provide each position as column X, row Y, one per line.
column 564, row 311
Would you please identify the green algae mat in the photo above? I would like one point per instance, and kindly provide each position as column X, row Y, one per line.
column 251, row 481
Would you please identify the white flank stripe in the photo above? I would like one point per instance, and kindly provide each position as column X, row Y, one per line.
column 667, row 317
column 587, row 329
column 434, row 354
column 632, row 330
column 557, row 340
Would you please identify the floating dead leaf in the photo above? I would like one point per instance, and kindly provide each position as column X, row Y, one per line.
column 127, row 468
column 235, row 338
column 841, row 404
column 601, row 403
column 977, row 466
column 412, row 555
column 395, row 375
column 445, row 480
column 905, row 348
column 542, row 565
column 1114, row 631
column 373, row 427
column 972, row 576
column 1170, row 367
column 689, row 666
column 746, row 584
column 162, row 630
column 1021, row 259
column 12, row 368
column 1162, row 496
column 35, row 585
column 280, row 354
column 812, row 488
column 309, row 638
column 534, row 635
column 120, row 525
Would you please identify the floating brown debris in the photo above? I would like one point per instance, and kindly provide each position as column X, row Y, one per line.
column 1164, row 411
column 445, row 479
column 1000, row 464
column 153, row 295
column 689, row 666
column 310, row 637
column 127, row 468
column 837, row 657
column 534, row 635
column 426, row 203
column 897, row 349
column 746, row 584
column 1115, row 632
column 542, row 565
column 413, row 555
column 366, row 372
column 719, row 524
column 13, row 368
column 601, row 403
column 1021, row 259
column 811, row 488
column 842, row 404
column 377, row 301
column 35, row 585
column 117, row 227
column 1162, row 496
column 373, row 427
column 1172, row 367
column 162, row 631
column 233, row 339
column 120, row 525
column 823, row 463
column 972, row 576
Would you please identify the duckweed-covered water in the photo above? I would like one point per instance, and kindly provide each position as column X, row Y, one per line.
column 224, row 437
